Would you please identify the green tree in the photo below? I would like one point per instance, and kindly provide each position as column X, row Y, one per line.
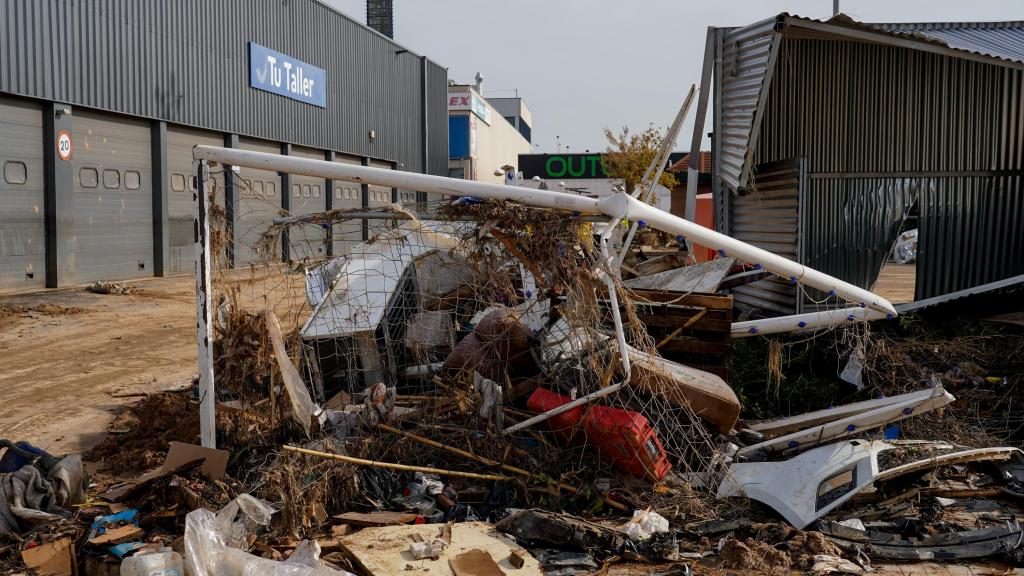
column 630, row 153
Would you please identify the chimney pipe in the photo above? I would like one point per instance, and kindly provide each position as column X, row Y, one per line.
column 380, row 16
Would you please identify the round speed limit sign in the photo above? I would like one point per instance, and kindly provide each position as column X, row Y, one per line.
column 64, row 146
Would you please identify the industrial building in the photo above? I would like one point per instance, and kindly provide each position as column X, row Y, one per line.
column 830, row 135
column 101, row 102
column 485, row 136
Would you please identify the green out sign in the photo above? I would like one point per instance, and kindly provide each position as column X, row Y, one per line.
column 574, row 166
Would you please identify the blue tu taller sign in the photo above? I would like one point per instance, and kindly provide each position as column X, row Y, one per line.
column 281, row 74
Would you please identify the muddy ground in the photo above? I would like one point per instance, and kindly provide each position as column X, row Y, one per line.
column 65, row 356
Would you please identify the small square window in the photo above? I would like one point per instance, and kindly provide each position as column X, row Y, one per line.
column 88, row 177
column 338, row 191
column 178, row 182
column 271, row 189
column 111, row 179
column 306, row 191
column 132, row 180
column 15, row 172
column 316, row 191
column 296, row 191
column 257, row 187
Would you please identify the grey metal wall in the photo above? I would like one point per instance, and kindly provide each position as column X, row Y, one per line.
column 768, row 216
column 186, row 62
column 866, row 116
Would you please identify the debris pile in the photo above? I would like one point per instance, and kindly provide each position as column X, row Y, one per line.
column 485, row 394
column 107, row 287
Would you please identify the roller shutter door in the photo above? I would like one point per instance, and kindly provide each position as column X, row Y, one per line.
column 22, row 229
column 113, row 197
column 379, row 196
column 259, row 202
column 347, row 196
column 307, row 197
column 179, row 192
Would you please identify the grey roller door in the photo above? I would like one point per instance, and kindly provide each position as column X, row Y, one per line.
column 379, row 196
column 22, row 229
column 307, row 197
column 347, row 196
column 179, row 192
column 259, row 202
column 113, row 197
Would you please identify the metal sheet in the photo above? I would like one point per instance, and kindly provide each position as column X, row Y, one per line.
column 113, row 219
column 22, row 228
column 746, row 54
column 768, row 217
column 378, row 196
column 68, row 51
column 866, row 116
column 180, row 140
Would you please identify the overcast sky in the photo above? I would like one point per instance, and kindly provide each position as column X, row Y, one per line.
column 583, row 65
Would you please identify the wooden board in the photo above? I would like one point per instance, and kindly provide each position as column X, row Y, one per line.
column 698, row 278
column 383, row 551
column 376, row 518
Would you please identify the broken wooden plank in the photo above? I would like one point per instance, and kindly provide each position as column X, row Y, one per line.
column 376, row 518
column 118, row 535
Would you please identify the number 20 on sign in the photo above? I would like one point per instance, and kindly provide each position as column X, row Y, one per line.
column 64, row 146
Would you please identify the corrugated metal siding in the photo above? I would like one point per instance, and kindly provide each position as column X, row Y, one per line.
column 876, row 114
column 113, row 223
column 744, row 67
column 181, row 257
column 22, row 227
column 308, row 197
column 768, row 217
column 186, row 62
column 379, row 196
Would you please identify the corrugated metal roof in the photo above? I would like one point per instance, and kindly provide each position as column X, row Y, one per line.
column 746, row 66
column 1003, row 40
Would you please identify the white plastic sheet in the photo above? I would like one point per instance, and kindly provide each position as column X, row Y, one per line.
column 644, row 523
column 213, row 541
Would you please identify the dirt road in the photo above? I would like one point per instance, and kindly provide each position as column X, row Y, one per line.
column 60, row 370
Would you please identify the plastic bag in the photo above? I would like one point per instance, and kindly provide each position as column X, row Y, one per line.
column 213, row 541
column 644, row 523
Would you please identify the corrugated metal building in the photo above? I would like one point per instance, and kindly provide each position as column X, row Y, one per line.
column 101, row 102
column 828, row 134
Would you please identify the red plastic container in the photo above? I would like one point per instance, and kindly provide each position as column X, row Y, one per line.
column 624, row 438
column 565, row 423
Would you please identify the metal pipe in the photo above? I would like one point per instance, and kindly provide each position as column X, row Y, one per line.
column 805, row 322
column 386, row 215
column 204, row 308
column 617, row 206
column 396, row 179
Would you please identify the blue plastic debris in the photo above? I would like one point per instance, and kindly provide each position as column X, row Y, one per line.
column 892, row 432
column 851, row 427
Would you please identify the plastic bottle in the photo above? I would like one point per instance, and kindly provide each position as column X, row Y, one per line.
column 166, row 562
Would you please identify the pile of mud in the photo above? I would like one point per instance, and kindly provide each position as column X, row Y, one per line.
column 141, row 434
column 10, row 315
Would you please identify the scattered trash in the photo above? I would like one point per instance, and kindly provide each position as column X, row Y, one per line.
column 101, row 287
